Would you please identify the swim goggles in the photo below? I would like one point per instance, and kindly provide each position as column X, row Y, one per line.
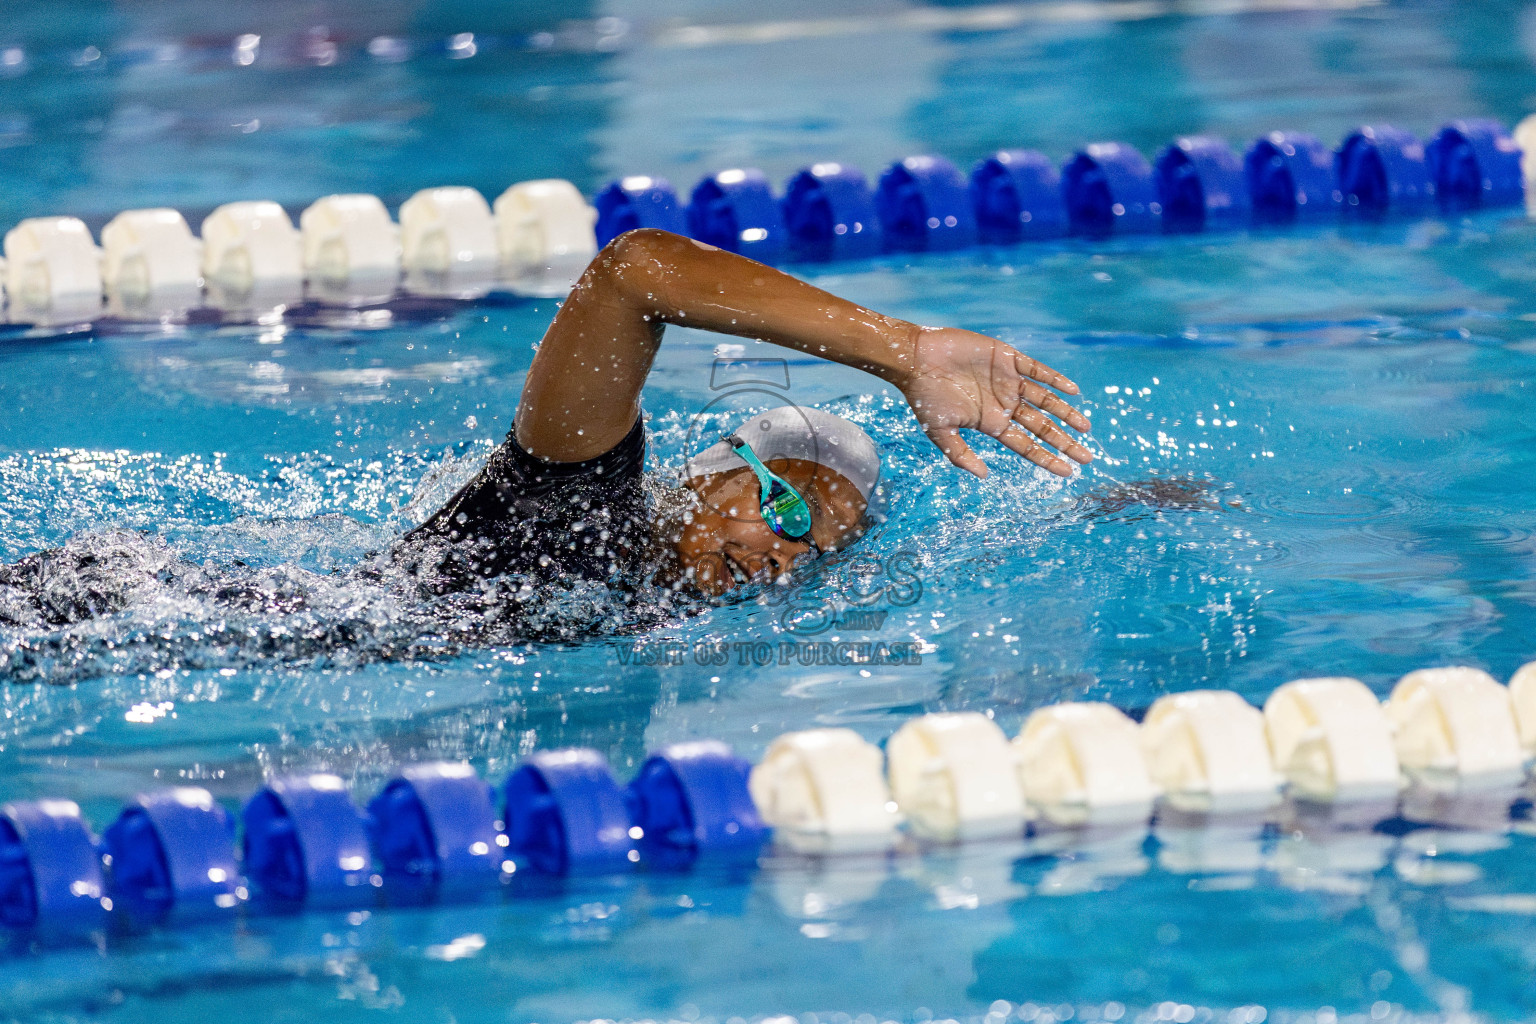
column 784, row 509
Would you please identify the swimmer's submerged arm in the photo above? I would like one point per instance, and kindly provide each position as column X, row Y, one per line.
column 583, row 390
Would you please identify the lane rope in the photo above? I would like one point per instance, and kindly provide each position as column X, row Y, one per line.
column 249, row 259
column 439, row 831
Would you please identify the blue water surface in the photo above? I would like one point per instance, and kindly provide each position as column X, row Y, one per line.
column 1338, row 423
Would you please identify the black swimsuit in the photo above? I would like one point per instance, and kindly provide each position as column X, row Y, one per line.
column 544, row 525
column 544, row 520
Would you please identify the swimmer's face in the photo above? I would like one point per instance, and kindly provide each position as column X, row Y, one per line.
column 727, row 542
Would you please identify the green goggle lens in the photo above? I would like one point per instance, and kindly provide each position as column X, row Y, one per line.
column 782, row 507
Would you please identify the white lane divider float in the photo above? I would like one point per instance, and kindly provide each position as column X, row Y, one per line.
column 1328, row 740
column 251, row 255
column 448, row 241
column 150, row 257
column 1332, row 741
column 953, row 775
column 544, row 236
column 1206, row 750
column 825, row 790
column 1455, row 727
column 350, row 246
column 1525, row 138
column 53, row 268
column 1081, row 763
column 1522, row 694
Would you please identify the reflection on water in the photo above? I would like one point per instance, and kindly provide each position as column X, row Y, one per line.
column 168, row 304
column 260, row 302
column 358, row 289
column 465, row 281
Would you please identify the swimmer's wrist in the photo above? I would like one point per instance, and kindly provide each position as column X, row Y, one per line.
column 900, row 358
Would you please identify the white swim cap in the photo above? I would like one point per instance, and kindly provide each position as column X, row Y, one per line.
column 796, row 432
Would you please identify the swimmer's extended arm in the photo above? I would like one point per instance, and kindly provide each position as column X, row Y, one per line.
column 583, row 390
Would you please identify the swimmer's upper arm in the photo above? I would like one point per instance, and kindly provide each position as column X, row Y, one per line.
column 582, row 395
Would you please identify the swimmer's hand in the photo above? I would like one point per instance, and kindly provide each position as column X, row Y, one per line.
column 964, row 380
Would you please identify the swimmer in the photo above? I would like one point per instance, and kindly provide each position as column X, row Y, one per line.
column 562, row 496
column 560, row 536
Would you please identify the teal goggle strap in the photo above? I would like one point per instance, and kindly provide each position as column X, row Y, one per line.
column 782, row 507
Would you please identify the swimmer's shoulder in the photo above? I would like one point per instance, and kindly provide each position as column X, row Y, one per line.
column 518, row 486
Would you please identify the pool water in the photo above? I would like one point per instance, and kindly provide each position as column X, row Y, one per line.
column 1316, row 458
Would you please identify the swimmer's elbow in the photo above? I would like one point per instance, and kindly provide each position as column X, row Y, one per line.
column 637, row 251
column 637, row 261
column 639, row 243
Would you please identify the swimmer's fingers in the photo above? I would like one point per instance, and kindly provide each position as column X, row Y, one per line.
column 1024, row 443
column 1045, row 428
column 955, row 449
column 1043, row 399
column 1036, row 370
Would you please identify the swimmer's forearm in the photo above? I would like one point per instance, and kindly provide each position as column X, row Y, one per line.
column 696, row 285
column 582, row 394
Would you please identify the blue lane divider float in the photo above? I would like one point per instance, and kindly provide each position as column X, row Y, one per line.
column 736, row 211
column 1381, row 169
column 1200, row 185
column 431, row 830
column 1109, row 189
column 305, row 839
column 925, row 206
column 829, row 212
column 172, row 854
column 691, row 800
column 1016, row 194
column 433, row 825
column 637, row 202
column 1289, row 175
column 1474, row 163
column 50, row 870
column 565, row 814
